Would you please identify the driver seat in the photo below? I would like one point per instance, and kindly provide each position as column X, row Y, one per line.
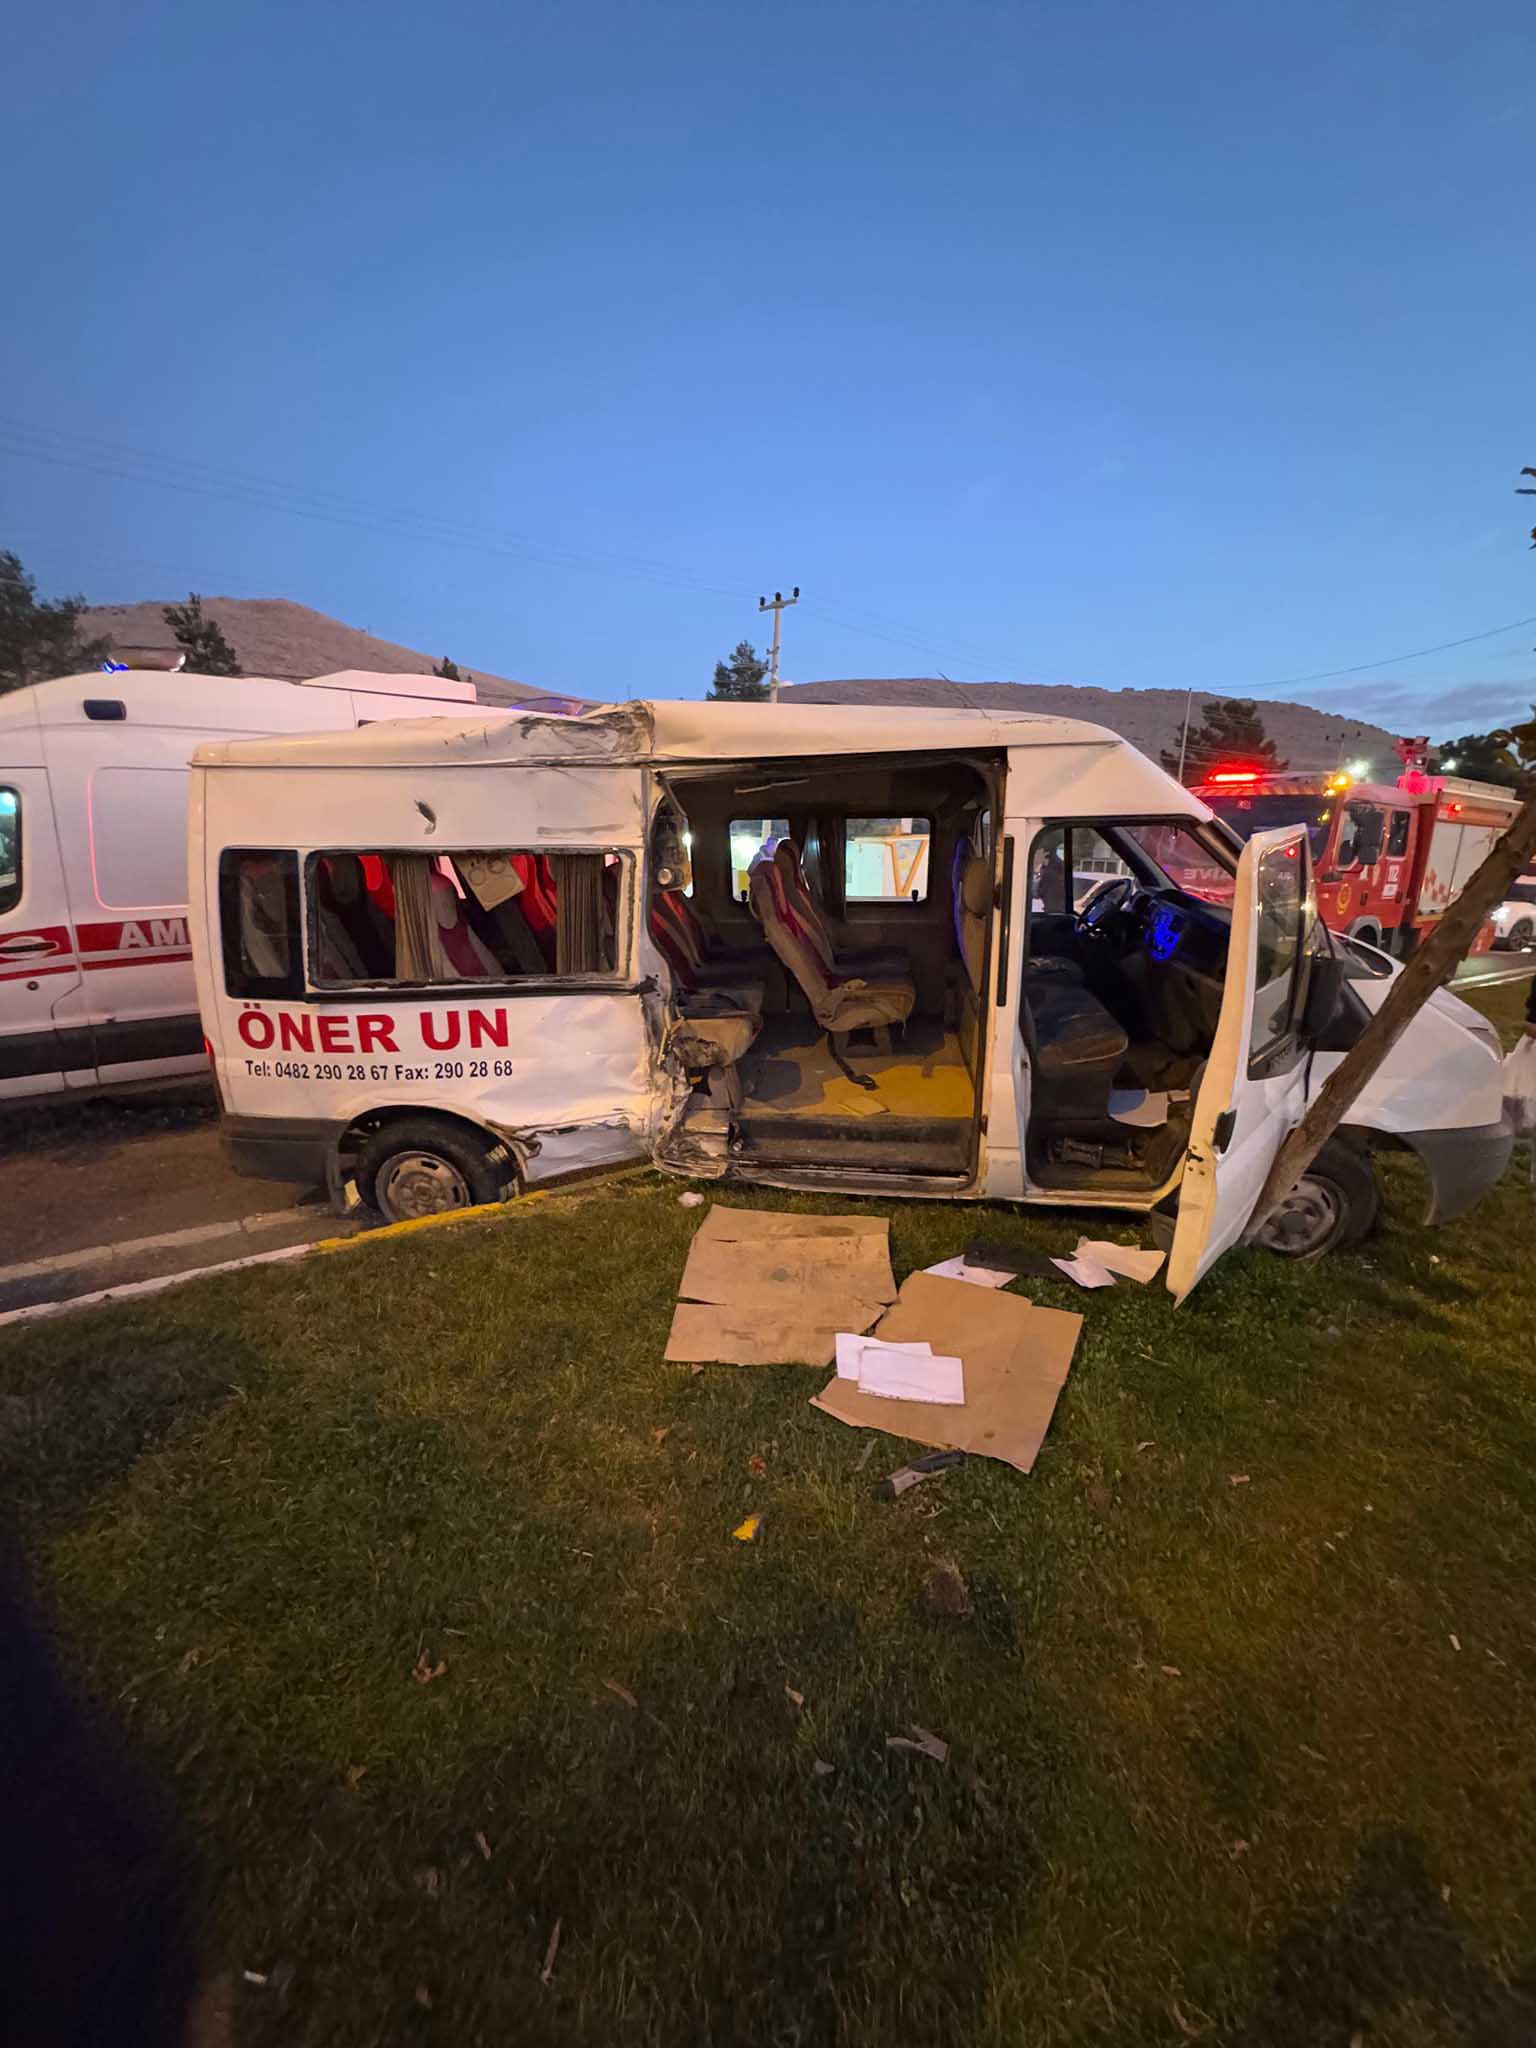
column 1075, row 1047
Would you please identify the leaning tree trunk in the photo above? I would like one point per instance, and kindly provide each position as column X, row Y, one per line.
column 1433, row 964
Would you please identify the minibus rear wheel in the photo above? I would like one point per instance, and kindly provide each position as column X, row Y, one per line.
column 423, row 1166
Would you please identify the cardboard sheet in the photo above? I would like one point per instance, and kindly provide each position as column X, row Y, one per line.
column 708, row 1333
column 764, row 1288
column 1016, row 1359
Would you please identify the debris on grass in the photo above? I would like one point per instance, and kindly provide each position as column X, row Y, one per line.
column 546, row 1975
column 746, row 1532
column 1147, row 1443
column 482, row 1844
column 659, row 1436
column 796, row 1699
column 355, row 1775
column 621, row 1692
column 945, row 1595
column 896, row 1483
column 1237, row 1479
column 423, row 1998
column 1171, row 1671
column 424, row 1670
column 757, row 1467
column 1128, row 1261
column 428, row 1881
column 1240, row 1849
column 690, row 1200
column 1455, row 1642
column 822, row 1768
column 865, row 1455
column 921, row 1742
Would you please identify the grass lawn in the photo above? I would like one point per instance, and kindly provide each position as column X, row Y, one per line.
column 1248, row 1763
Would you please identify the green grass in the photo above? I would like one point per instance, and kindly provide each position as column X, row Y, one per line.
column 1217, row 1766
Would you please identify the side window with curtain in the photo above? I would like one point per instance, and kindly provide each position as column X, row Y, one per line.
column 384, row 917
column 259, row 921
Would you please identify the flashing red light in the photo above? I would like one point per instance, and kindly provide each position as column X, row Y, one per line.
column 1237, row 775
column 1455, row 810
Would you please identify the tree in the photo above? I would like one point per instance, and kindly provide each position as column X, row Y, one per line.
column 448, row 670
column 208, row 652
column 740, row 680
column 1231, row 732
column 1482, row 757
column 40, row 638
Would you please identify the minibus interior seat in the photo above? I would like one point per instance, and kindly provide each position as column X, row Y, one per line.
column 875, row 963
column 466, row 952
column 1076, row 1049
column 352, row 926
column 840, row 1002
column 683, row 943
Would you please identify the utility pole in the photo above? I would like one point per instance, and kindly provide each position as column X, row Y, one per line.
column 1189, row 705
column 780, row 604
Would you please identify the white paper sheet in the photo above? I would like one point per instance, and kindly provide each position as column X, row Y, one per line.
column 851, row 1349
column 979, row 1276
column 1142, row 1109
column 1086, row 1272
column 1128, row 1260
column 891, row 1372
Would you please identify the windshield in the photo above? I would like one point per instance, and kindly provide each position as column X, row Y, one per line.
column 1249, row 814
column 1184, row 859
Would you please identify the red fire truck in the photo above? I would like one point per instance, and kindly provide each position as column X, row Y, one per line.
column 1389, row 858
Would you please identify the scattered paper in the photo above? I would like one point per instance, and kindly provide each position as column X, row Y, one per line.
column 891, row 1373
column 961, row 1269
column 746, row 1532
column 796, row 1699
column 851, row 1349
column 1128, row 1260
column 1086, row 1272
column 922, row 1741
column 822, row 1768
column 1017, row 1358
column 1142, row 1109
column 690, row 1200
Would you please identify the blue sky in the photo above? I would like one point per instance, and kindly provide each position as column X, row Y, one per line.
column 1078, row 342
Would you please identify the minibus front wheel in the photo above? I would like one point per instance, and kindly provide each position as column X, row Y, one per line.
column 422, row 1166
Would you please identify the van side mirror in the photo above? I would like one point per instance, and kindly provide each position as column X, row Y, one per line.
column 1334, row 1016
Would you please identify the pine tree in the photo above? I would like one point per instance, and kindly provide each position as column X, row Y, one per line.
column 740, row 680
column 1231, row 735
column 208, row 652
column 448, row 670
column 39, row 639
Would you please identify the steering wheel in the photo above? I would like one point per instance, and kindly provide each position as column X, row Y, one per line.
column 1104, row 906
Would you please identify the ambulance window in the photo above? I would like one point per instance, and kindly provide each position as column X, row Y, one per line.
column 885, row 860
column 493, row 914
column 10, row 850
column 1397, row 836
column 259, row 922
column 139, row 837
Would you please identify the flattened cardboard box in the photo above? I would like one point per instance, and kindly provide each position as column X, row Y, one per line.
column 1016, row 1356
column 764, row 1288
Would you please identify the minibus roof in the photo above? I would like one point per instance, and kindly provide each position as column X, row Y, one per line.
column 661, row 732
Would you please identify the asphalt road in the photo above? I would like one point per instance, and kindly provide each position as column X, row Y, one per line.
column 95, row 1194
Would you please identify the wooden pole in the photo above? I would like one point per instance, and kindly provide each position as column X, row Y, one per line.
column 1433, row 964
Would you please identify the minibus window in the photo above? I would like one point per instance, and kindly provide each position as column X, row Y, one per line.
column 259, row 922
column 412, row 918
column 10, row 850
column 885, row 860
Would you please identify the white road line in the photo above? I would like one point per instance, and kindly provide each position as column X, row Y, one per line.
column 168, row 1240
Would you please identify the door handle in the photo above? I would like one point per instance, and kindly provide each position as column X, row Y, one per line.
column 17, row 948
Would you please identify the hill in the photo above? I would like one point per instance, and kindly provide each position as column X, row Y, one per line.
column 273, row 637
column 1150, row 719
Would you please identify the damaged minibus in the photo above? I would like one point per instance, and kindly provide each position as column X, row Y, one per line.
column 942, row 953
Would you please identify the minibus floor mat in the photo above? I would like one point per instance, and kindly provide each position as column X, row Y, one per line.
column 792, row 1072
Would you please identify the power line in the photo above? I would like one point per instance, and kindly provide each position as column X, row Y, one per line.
column 1388, row 660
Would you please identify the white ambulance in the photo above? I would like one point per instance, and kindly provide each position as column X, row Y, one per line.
column 437, row 963
column 95, row 969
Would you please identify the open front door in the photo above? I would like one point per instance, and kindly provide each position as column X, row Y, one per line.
column 1254, row 1089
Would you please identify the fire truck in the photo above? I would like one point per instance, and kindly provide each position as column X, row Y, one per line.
column 1389, row 858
